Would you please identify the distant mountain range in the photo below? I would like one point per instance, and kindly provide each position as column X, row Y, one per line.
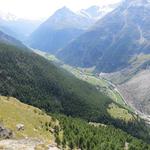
column 63, row 27
column 97, row 12
column 17, row 27
column 58, row 30
column 112, row 42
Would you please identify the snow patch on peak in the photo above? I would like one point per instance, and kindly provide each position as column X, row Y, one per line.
column 8, row 16
column 97, row 12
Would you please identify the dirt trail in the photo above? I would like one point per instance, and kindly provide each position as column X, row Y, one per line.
column 23, row 144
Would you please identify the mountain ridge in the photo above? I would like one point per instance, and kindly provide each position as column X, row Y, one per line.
column 63, row 27
column 112, row 41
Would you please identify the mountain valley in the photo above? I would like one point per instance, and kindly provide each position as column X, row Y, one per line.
column 64, row 26
column 80, row 80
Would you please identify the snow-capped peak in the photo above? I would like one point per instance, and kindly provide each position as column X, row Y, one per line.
column 7, row 16
column 97, row 12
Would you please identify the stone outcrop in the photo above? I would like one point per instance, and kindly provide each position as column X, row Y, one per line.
column 5, row 133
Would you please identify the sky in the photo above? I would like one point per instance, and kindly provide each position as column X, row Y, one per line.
column 37, row 9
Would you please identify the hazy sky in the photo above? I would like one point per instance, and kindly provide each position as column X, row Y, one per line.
column 35, row 9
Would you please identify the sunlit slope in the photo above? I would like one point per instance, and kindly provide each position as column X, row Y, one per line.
column 13, row 113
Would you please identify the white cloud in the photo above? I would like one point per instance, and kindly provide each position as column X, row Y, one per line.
column 35, row 9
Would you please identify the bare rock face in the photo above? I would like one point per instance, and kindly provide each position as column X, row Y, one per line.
column 5, row 133
column 136, row 91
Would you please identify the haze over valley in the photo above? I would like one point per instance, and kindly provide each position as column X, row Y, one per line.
column 75, row 75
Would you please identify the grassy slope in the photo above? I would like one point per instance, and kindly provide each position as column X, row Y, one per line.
column 120, row 113
column 13, row 112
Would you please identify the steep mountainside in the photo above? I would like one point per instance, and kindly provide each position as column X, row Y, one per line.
column 36, row 81
column 4, row 38
column 86, row 75
column 31, row 128
column 114, row 40
column 136, row 91
column 134, row 84
column 64, row 26
column 96, row 136
column 58, row 30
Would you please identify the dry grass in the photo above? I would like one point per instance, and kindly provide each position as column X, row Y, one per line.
column 13, row 112
column 119, row 113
